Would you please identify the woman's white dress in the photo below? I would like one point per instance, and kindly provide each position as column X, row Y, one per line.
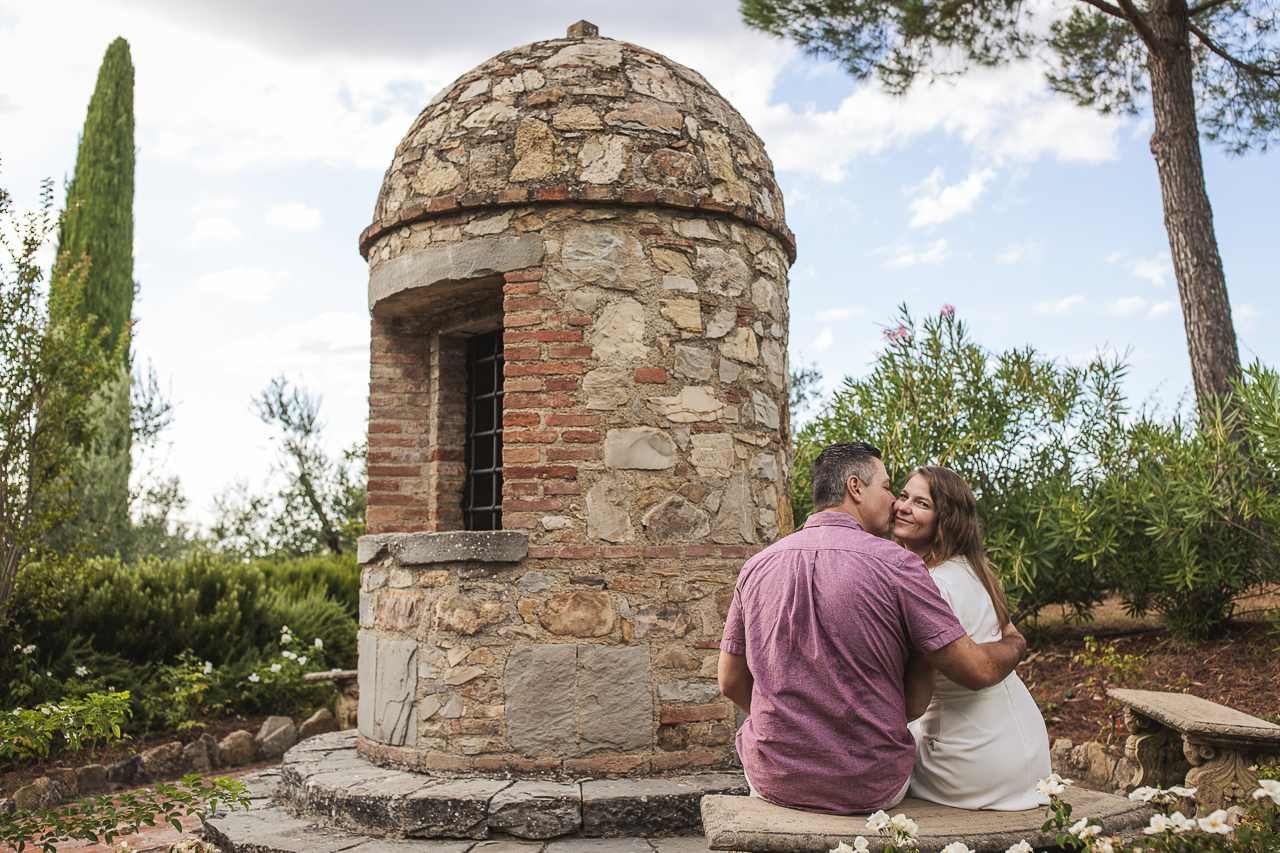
column 982, row 749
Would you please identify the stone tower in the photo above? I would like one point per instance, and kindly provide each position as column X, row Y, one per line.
column 578, row 422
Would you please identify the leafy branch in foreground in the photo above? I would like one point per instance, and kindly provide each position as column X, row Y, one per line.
column 103, row 819
column 31, row 731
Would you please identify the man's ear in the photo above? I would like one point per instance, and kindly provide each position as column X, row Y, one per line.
column 853, row 487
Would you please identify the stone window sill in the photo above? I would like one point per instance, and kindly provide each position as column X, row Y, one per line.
column 458, row 546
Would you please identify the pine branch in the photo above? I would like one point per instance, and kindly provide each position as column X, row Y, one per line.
column 1114, row 11
column 1205, row 7
column 1231, row 60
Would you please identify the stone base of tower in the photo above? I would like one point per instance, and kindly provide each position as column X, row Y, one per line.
column 324, row 798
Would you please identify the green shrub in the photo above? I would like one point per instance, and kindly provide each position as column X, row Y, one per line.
column 156, row 609
column 1187, row 520
column 336, row 575
column 315, row 616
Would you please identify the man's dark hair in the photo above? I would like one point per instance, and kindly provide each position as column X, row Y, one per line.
column 835, row 465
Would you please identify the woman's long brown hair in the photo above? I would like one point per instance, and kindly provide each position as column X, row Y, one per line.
column 959, row 531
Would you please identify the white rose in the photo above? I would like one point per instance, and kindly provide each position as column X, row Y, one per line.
column 1216, row 823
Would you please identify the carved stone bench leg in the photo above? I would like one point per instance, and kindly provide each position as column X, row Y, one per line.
column 1155, row 750
column 1221, row 775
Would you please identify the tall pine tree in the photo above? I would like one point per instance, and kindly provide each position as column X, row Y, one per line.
column 98, row 224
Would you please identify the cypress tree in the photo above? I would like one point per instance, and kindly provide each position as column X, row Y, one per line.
column 98, row 223
column 99, row 217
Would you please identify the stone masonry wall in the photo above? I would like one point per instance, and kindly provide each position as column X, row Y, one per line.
column 620, row 222
column 644, row 459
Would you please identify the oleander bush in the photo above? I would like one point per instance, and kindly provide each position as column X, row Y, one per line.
column 1079, row 497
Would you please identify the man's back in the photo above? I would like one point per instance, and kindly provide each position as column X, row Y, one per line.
column 826, row 618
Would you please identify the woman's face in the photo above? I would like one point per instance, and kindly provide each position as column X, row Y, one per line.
column 915, row 522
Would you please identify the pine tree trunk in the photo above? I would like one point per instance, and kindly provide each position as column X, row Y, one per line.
column 1202, row 286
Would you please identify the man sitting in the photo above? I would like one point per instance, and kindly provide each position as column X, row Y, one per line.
column 822, row 630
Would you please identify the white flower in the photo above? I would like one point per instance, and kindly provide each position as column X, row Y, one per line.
column 1021, row 847
column 861, row 845
column 904, row 826
column 1216, row 822
column 878, row 821
column 286, row 638
column 842, row 847
column 319, row 643
column 253, row 676
column 275, row 667
column 1268, row 788
column 1102, row 845
column 1143, row 795
column 18, row 647
column 957, row 847
column 81, row 671
column 1082, row 829
column 1159, row 823
column 208, row 667
column 302, row 660
column 29, row 650
column 44, row 709
column 1051, row 786
column 284, row 630
column 1179, row 791
column 1181, row 823
column 288, row 654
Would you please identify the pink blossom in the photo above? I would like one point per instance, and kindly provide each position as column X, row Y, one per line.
column 948, row 310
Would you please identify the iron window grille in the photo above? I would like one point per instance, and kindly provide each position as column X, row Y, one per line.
column 482, row 503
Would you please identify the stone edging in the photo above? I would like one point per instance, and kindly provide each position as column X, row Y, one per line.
column 323, row 779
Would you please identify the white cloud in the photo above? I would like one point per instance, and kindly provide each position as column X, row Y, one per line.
column 1155, row 270
column 1159, row 309
column 905, row 255
column 332, row 347
column 239, row 284
column 1060, row 306
column 215, row 204
column 824, row 340
column 214, row 229
column 838, row 314
column 939, row 203
column 1128, row 306
column 1018, row 252
column 295, row 216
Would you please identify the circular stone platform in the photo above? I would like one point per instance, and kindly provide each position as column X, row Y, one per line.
column 324, row 780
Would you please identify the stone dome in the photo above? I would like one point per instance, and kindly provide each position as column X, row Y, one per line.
column 580, row 119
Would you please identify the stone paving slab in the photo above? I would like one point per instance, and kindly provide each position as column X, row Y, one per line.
column 754, row 825
column 275, row 831
column 638, row 806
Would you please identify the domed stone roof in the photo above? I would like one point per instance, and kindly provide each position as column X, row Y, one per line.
column 580, row 119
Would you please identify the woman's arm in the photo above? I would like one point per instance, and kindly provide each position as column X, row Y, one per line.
column 919, row 685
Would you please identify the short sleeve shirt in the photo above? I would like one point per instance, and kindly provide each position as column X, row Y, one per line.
column 826, row 619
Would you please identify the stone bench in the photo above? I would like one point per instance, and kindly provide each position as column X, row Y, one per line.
column 757, row 826
column 347, row 702
column 1180, row 739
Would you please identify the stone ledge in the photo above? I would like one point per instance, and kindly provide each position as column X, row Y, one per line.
column 754, row 825
column 323, row 779
column 457, row 546
column 1201, row 718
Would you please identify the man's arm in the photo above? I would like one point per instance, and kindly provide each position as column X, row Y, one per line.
column 918, row 685
column 978, row 665
column 736, row 679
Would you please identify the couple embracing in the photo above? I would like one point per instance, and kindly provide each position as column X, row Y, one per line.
column 873, row 669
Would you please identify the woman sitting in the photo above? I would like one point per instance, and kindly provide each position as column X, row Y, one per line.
column 974, row 750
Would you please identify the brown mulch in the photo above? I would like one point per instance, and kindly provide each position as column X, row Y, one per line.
column 13, row 779
column 1240, row 668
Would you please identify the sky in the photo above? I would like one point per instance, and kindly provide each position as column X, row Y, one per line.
column 264, row 128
